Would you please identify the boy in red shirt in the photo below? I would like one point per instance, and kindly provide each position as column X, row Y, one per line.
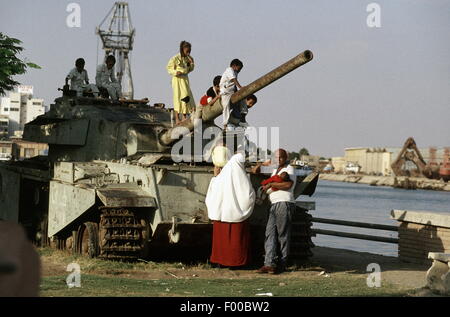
column 265, row 189
column 213, row 93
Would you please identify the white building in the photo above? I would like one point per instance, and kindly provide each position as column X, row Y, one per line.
column 376, row 161
column 4, row 123
column 19, row 108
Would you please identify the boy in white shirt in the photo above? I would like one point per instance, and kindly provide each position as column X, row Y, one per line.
column 229, row 84
column 79, row 79
column 105, row 78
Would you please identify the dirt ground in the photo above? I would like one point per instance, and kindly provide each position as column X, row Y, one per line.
column 328, row 260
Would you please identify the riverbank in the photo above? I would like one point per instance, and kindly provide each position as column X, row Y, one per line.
column 391, row 181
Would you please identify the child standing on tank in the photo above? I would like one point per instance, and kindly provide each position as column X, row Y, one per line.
column 229, row 84
column 179, row 66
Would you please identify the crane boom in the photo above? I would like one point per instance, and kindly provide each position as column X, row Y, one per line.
column 117, row 35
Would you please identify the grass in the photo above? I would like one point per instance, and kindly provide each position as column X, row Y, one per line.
column 95, row 265
column 108, row 278
column 94, row 285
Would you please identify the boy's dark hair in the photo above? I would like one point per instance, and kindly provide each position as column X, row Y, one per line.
column 110, row 58
column 210, row 92
column 236, row 62
column 80, row 62
column 285, row 176
column 184, row 44
column 216, row 80
column 252, row 97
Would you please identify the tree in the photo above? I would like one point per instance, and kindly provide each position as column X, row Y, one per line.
column 10, row 64
column 303, row 151
column 292, row 155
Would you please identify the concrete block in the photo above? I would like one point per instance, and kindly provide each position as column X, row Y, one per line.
column 422, row 217
column 438, row 276
column 439, row 256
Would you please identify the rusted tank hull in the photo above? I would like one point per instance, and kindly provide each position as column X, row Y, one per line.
column 120, row 211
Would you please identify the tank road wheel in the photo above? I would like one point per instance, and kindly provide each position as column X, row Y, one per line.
column 88, row 239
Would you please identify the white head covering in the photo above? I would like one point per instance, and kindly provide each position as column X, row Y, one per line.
column 231, row 196
column 220, row 155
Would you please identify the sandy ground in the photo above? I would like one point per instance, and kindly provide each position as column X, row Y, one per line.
column 407, row 275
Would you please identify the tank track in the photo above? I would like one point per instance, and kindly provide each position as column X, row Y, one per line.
column 301, row 242
column 121, row 234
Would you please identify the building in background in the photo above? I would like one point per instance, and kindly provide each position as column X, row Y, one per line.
column 18, row 109
column 373, row 161
column 18, row 149
column 311, row 160
column 338, row 163
column 5, row 150
column 4, row 123
column 377, row 161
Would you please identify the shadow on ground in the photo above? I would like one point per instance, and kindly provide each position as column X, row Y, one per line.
column 409, row 275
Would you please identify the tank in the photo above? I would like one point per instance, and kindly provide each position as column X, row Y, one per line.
column 110, row 187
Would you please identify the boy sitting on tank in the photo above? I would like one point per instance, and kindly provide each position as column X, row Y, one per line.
column 214, row 90
column 79, row 80
column 240, row 111
column 106, row 79
column 212, row 94
column 265, row 188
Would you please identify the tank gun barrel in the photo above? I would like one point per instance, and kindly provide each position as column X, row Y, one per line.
column 272, row 76
column 210, row 113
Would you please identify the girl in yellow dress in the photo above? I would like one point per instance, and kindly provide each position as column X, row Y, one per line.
column 179, row 67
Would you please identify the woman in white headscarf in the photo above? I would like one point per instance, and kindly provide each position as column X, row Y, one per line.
column 230, row 201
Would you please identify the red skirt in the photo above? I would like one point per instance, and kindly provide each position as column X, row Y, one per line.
column 231, row 243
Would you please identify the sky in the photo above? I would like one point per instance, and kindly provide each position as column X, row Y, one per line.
column 365, row 87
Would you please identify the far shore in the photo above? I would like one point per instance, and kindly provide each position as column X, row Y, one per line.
column 391, row 181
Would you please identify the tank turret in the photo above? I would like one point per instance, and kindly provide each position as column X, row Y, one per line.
column 86, row 129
